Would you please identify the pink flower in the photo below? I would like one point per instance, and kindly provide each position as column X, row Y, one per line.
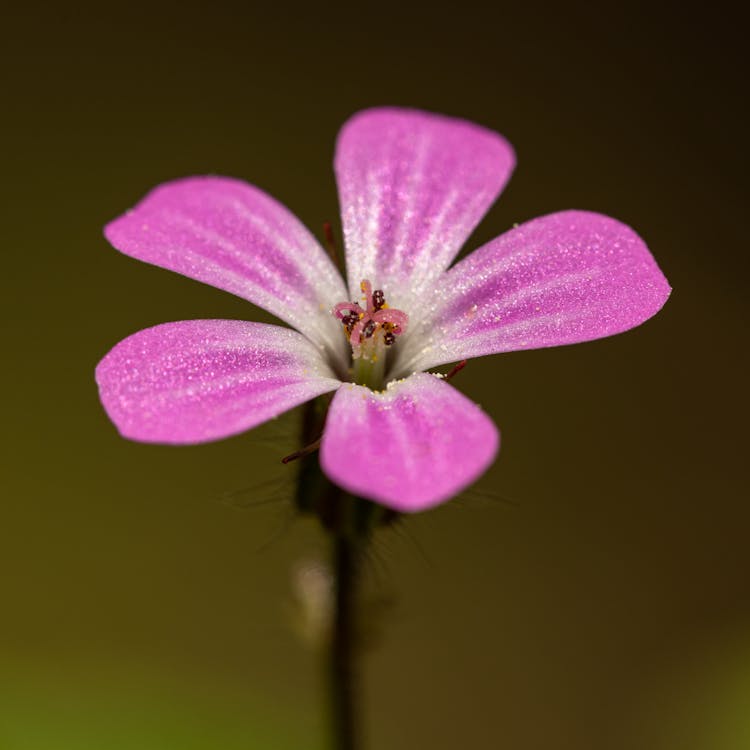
column 412, row 187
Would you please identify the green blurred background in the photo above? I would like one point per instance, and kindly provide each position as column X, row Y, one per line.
column 592, row 593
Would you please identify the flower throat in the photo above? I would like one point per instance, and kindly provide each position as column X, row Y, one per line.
column 370, row 327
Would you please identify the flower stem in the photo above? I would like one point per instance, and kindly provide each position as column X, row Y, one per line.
column 343, row 648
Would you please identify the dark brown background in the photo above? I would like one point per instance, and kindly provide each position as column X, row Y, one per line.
column 596, row 598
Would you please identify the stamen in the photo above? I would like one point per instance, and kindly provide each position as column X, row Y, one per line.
column 349, row 321
column 396, row 318
column 363, row 321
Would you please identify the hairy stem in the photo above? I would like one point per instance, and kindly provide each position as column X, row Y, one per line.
column 343, row 649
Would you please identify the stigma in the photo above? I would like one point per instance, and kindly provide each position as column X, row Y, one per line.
column 369, row 324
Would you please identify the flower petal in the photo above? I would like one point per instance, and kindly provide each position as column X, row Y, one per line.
column 201, row 380
column 560, row 279
column 412, row 187
column 232, row 235
column 409, row 448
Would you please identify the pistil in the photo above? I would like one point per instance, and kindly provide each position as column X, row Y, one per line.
column 371, row 328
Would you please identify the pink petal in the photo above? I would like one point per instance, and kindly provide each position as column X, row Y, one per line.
column 412, row 187
column 409, row 448
column 564, row 278
column 234, row 236
column 201, row 380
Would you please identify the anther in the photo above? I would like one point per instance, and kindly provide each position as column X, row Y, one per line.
column 363, row 321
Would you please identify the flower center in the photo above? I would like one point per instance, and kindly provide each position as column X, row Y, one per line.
column 370, row 326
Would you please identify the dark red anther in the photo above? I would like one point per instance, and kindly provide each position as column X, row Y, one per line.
column 349, row 321
column 362, row 320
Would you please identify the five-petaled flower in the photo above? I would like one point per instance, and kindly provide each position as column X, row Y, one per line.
column 412, row 188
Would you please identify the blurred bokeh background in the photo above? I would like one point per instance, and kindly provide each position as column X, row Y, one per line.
column 592, row 592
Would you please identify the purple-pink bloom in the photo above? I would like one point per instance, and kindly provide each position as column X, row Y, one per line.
column 412, row 188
